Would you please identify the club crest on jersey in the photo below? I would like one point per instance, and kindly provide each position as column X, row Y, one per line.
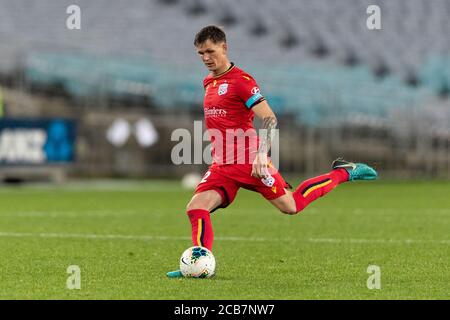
column 269, row 181
column 223, row 88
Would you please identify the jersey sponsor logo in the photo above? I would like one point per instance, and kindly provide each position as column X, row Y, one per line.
column 214, row 112
column 269, row 181
column 274, row 189
column 255, row 90
column 223, row 88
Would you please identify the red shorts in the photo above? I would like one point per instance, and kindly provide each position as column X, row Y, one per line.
column 227, row 179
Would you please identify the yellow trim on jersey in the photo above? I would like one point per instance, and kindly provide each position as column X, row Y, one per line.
column 199, row 231
column 316, row 187
column 223, row 73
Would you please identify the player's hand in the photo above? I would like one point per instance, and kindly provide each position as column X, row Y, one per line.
column 260, row 166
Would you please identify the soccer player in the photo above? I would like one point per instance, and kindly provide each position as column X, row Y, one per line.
column 232, row 98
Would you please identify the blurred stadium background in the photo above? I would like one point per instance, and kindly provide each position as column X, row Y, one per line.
column 103, row 101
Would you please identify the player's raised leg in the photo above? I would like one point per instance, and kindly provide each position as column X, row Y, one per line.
column 314, row 188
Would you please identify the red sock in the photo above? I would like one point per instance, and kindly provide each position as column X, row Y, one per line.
column 316, row 187
column 202, row 232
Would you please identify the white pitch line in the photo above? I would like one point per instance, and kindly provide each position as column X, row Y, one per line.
column 247, row 239
column 379, row 241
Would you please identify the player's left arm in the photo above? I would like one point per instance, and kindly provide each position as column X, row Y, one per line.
column 269, row 123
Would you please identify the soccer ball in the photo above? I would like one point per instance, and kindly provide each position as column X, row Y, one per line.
column 197, row 262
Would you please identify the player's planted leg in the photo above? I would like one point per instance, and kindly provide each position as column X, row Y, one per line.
column 202, row 233
column 201, row 226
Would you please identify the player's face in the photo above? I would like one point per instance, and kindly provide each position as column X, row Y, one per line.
column 213, row 55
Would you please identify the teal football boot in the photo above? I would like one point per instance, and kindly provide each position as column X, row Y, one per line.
column 175, row 274
column 356, row 171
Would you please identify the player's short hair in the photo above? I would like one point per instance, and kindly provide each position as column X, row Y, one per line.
column 213, row 33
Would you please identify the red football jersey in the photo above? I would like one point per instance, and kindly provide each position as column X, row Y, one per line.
column 228, row 103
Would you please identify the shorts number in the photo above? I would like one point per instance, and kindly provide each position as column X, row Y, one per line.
column 207, row 174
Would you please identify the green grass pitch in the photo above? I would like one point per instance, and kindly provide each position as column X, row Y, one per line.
column 126, row 237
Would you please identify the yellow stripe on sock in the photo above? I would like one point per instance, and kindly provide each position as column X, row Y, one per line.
column 199, row 232
column 316, row 187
